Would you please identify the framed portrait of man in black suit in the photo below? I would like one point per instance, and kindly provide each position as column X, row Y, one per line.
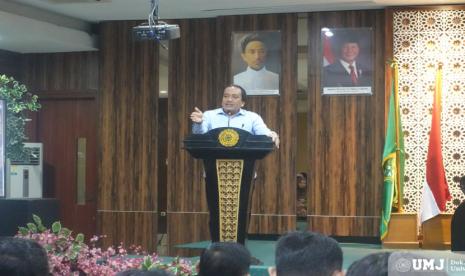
column 347, row 61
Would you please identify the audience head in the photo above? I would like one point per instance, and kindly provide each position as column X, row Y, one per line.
column 307, row 253
column 137, row 272
column 375, row 264
column 226, row 259
column 22, row 257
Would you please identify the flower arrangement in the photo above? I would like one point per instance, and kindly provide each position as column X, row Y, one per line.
column 69, row 255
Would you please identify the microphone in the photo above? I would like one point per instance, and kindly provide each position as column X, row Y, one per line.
column 229, row 118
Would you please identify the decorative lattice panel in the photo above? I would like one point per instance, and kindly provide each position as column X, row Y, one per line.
column 229, row 189
column 423, row 39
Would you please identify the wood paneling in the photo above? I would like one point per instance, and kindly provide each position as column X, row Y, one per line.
column 60, row 124
column 10, row 64
column 191, row 83
column 345, row 137
column 62, row 72
column 199, row 70
column 136, row 228
column 67, row 90
column 190, row 223
column 128, row 135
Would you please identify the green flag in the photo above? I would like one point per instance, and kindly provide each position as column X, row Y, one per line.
column 393, row 161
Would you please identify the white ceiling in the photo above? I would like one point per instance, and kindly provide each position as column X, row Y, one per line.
column 37, row 26
column 99, row 10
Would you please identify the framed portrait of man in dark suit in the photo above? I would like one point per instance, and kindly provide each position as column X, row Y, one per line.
column 256, row 61
column 347, row 61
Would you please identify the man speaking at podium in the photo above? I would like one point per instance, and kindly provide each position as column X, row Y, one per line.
column 231, row 114
column 228, row 180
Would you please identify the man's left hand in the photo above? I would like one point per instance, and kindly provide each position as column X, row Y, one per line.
column 275, row 138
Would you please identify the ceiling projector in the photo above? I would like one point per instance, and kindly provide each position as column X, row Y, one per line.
column 159, row 31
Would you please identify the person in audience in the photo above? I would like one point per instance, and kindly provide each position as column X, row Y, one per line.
column 375, row 264
column 307, row 254
column 226, row 259
column 22, row 257
column 458, row 223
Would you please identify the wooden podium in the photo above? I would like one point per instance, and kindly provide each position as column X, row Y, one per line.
column 229, row 156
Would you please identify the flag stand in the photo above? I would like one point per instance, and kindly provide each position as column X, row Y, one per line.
column 436, row 233
column 402, row 232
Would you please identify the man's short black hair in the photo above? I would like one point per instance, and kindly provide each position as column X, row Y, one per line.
column 307, row 254
column 22, row 257
column 249, row 38
column 224, row 258
column 243, row 92
column 375, row 264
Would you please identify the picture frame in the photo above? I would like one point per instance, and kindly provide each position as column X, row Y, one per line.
column 256, row 61
column 347, row 61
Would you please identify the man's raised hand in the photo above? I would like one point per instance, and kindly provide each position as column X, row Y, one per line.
column 197, row 116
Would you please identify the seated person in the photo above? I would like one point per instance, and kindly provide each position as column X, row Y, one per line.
column 226, row 259
column 307, row 254
column 375, row 264
column 458, row 223
column 22, row 257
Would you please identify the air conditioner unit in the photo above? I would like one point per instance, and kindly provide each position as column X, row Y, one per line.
column 24, row 177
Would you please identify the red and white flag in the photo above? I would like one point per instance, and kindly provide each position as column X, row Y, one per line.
column 328, row 56
column 435, row 189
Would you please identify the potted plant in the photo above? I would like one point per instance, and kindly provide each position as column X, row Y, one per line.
column 18, row 101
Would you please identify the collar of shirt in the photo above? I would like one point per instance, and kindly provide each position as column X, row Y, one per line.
column 256, row 72
column 346, row 66
column 221, row 111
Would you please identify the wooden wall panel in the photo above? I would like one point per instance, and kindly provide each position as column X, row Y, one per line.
column 199, row 70
column 345, row 137
column 195, row 224
column 139, row 228
column 191, row 83
column 62, row 73
column 274, row 195
column 128, row 135
column 10, row 64
column 66, row 84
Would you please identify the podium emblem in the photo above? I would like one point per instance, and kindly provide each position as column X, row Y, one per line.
column 228, row 137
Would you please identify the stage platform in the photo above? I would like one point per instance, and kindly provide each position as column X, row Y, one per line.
column 264, row 251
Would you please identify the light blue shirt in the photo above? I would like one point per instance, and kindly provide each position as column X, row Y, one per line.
column 246, row 120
